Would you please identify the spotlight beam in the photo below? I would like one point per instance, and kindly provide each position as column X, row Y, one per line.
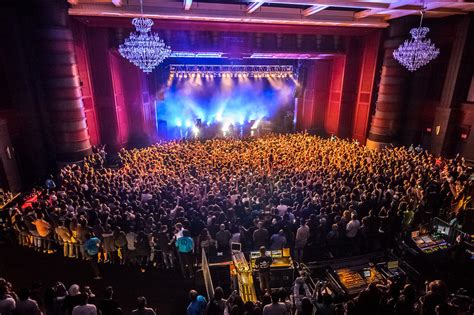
column 251, row 8
column 187, row 4
column 314, row 9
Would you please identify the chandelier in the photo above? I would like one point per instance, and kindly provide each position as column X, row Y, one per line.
column 417, row 51
column 144, row 48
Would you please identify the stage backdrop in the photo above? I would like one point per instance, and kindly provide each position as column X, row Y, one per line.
column 223, row 100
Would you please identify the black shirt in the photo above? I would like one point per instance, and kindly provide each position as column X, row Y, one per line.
column 263, row 263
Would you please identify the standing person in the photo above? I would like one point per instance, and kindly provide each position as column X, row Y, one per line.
column 276, row 307
column 197, row 304
column 141, row 307
column 185, row 246
column 25, row 305
column 278, row 240
column 7, row 302
column 222, row 238
column 108, row 306
column 352, row 229
column 120, row 242
column 130, row 253
column 91, row 247
column 84, row 308
column 260, row 236
column 301, row 239
column 300, row 291
column 71, row 300
column 108, row 246
column 164, row 243
column 64, row 236
column 217, row 304
column 263, row 264
column 43, row 228
column 143, row 250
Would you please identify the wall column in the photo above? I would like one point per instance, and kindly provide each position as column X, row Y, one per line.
column 447, row 112
column 385, row 125
column 61, row 82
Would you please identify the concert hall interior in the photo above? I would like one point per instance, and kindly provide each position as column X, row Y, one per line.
column 340, row 128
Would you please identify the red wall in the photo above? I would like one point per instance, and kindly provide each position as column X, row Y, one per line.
column 331, row 124
column 337, row 94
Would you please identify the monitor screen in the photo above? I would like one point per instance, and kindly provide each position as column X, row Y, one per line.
column 236, row 247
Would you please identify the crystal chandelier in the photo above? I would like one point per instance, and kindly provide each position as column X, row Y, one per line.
column 417, row 51
column 144, row 48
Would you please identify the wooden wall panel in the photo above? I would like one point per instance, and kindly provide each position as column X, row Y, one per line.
column 82, row 60
column 366, row 85
column 331, row 124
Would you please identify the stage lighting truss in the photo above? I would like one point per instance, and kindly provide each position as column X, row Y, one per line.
column 231, row 71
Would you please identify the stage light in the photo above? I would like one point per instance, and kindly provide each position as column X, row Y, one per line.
column 195, row 131
column 255, row 124
column 199, row 75
column 185, row 75
column 225, row 128
column 188, row 123
column 179, row 122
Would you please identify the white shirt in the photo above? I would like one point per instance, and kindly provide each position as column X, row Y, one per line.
column 352, row 227
column 88, row 309
column 131, row 239
column 282, row 210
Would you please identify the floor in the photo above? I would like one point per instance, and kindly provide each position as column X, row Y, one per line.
column 165, row 290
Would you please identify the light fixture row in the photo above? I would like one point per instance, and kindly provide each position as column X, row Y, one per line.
column 231, row 75
column 231, row 71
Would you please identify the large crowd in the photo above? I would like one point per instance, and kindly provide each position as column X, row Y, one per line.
column 394, row 297
column 166, row 204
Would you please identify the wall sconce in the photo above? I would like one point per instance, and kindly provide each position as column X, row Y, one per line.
column 8, row 152
column 437, row 129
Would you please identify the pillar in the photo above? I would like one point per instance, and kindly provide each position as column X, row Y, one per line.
column 455, row 86
column 8, row 160
column 385, row 124
column 61, row 82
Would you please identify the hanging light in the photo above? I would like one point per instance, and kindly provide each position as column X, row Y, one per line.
column 417, row 51
column 144, row 48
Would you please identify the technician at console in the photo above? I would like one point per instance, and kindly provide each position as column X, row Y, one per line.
column 262, row 264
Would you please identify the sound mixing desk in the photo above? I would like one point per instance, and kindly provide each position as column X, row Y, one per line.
column 281, row 258
column 429, row 243
column 282, row 269
column 349, row 277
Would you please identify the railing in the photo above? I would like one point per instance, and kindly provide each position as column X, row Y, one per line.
column 207, row 276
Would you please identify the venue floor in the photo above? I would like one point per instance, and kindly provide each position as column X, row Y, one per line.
column 165, row 290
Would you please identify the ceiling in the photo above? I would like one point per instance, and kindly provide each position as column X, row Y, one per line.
column 352, row 13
